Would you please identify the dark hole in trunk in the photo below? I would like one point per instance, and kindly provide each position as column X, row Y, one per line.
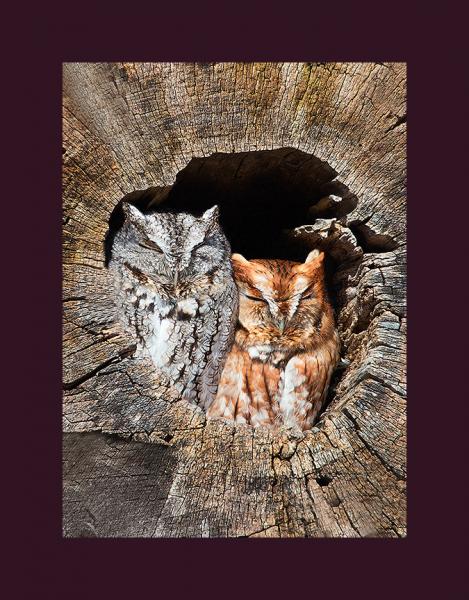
column 324, row 480
column 261, row 196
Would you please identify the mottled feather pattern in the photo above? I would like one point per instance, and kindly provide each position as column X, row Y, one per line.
column 177, row 296
column 286, row 345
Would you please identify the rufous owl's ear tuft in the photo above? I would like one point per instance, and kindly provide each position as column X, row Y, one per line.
column 132, row 213
column 315, row 256
column 314, row 263
column 241, row 268
column 239, row 259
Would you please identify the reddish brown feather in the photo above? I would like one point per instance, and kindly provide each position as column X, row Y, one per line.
column 252, row 387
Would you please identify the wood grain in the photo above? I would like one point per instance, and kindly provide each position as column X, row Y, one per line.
column 137, row 460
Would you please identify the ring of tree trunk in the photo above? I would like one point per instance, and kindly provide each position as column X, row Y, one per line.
column 305, row 155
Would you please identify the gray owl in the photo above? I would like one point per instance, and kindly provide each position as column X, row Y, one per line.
column 177, row 295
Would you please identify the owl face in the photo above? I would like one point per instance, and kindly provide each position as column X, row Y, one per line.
column 280, row 296
column 171, row 250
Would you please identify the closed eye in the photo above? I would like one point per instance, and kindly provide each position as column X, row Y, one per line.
column 310, row 295
column 150, row 246
column 255, row 298
column 207, row 242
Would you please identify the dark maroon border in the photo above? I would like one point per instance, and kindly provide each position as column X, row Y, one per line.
column 429, row 562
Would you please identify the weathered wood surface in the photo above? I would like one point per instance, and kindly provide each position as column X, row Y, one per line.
column 165, row 471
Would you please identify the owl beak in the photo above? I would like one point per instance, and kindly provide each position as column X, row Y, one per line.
column 176, row 275
column 281, row 325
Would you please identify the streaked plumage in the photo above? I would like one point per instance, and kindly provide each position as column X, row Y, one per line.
column 177, row 296
column 286, row 345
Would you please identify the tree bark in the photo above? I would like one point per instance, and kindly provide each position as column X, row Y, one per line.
column 138, row 461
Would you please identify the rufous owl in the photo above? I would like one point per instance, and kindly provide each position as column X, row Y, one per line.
column 286, row 345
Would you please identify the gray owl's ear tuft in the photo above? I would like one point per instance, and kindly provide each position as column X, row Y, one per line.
column 132, row 214
column 210, row 217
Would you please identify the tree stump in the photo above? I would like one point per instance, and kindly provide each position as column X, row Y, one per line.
column 297, row 155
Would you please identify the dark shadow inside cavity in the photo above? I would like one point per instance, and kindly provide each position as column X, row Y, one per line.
column 371, row 241
column 261, row 195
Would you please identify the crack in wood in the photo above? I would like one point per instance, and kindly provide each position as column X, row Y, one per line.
column 226, row 481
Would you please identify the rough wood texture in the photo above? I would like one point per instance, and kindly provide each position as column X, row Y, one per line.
column 166, row 471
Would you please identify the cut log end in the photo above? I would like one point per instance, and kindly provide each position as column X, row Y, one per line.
column 344, row 478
